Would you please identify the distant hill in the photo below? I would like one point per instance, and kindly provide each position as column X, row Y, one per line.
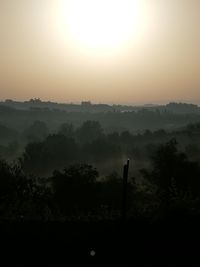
column 87, row 106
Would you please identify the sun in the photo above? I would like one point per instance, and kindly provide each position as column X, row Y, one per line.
column 101, row 24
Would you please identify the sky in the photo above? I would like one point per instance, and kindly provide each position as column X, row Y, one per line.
column 122, row 51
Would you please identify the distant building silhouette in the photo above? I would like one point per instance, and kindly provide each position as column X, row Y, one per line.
column 86, row 103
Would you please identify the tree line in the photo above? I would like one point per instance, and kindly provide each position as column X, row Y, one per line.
column 79, row 192
column 40, row 152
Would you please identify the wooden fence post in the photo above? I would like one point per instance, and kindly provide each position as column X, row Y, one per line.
column 125, row 187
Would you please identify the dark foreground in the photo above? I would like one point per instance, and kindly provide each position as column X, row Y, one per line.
column 168, row 242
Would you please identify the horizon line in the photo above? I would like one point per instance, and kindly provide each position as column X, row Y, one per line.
column 153, row 103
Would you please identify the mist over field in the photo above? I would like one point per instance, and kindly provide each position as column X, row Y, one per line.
column 62, row 165
column 44, row 140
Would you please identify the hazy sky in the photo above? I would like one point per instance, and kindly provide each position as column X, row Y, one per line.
column 137, row 51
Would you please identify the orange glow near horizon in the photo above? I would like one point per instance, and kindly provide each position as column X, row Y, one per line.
column 114, row 51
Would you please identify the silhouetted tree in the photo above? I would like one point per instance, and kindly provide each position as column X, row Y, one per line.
column 111, row 195
column 100, row 149
column 67, row 129
column 37, row 131
column 7, row 187
column 173, row 173
column 75, row 189
column 89, row 131
column 32, row 160
column 54, row 152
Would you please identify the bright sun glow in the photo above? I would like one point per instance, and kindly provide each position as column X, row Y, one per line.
column 103, row 24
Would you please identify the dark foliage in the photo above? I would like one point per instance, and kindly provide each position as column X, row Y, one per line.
column 78, row 192
column 75, row 190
